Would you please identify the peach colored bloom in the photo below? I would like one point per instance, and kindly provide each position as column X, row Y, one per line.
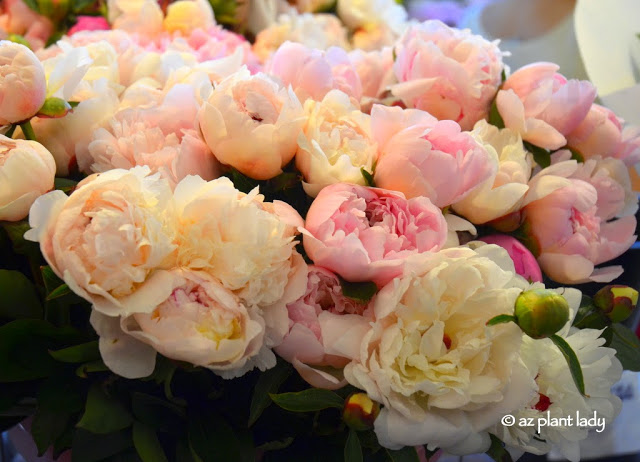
column 23, row 84
column 17, row 18
column 420, row 156
column 375, row 69
column 27, row 171
column 542, row 105
column 450, row 73
column 369, row 234
column 252, row 123
column 313, row 73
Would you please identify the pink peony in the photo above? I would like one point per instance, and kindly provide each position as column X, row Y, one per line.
column 368, row 234
column 89, row 23
column 561, row 217
column 524, row 261
column 375, row 69
column 542, row 105
column 17, row 18
column 424, row 157
column 313, row 73
column 599, row 133
column 318, row 320
column 450, row 73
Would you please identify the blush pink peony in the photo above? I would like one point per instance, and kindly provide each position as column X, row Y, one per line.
column 523, row 260
column 420, row 156
column 542, row 105
column 450, row 73
column 368, row 234
column 319, row 321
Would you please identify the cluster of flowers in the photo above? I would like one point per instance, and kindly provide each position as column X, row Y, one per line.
column 175, row 260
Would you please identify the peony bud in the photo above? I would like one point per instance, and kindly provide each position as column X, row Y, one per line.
column 360, row 411
column 540, row 313
column 54, row 108
column 16, row 38
column 616, row 301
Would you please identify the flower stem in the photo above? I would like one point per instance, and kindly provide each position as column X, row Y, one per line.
column 27, row 129
column 9, row 133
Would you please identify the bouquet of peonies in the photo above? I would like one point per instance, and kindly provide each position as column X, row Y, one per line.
column 353, row 237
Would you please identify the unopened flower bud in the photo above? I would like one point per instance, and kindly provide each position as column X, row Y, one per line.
column 616, row 301
column 54, row 108
column 360, row 411
column 540, row 313
column 16, row 38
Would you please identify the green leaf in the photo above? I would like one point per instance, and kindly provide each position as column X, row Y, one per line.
column 572, row 362
column 64, row 184
column 368, row 177
column 156, row 412
column 46, row 428
column 92, row 366
column 497, row 451
column 78, row 354
column 54, row 107
column 77, row 6
column 89, row 447
column 275, row 445
column 16, row 231
column 212, row 438
column 352, row 448
column 627, row 347
column 147, row 443
column 284, row 181
column 268, row 382
column 359, row 291
column 494, row 115
column 18, row 299
column 62, row 393
column 575, row 154
column 104, row 413
column 58, row 292
column 540, row 155
column 312, row 399
column 501, row 319
column 33, row 4
column 406, row 454
column 242, row 182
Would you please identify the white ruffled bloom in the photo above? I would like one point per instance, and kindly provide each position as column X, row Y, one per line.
column 503, row 193
column 443, row 376
column 243, row 242
column 336, row 143
column 111, row 240
column 557, row 396
column 358, row 14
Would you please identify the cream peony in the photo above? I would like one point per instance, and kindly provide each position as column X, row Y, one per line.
column 443, row 376
column 244, row 243
column 111, row 240
column 27, row 171
column 200, row 322
column 252, row 123
column 185, row 16
column 363, row 14
column 335, row 144
column 22, row 83
column 503, row 192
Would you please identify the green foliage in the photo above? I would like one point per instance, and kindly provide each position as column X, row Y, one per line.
column 541, row 156
column 359, row 291
column 104, row 413
column 312, row 399
column 497, row 451
column 269, row 382
column 352, row 448
column 406, row 454
column 572, row 362
column 18, row 296
column 627, row 346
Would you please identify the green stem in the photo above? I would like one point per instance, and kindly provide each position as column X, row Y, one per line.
column 9, row 133
column 27, row 129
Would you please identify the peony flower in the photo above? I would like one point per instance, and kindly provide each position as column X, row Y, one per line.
column 244, row 243
column 252, row 123
column 420, row 156
column 313, row 73
column 89, row 23
column 335, row 144
column 375, row 69
column 369, row 234
column 112, row 240
column 557, row 395
column 23, row 84
column 136, row 16
column 27, row 171
column 502, row 193
column 542, row 105
column 320, row 319
column 565, row 232
column 629, row 151
column 320, row 31
column 163, row 137
column 361, row 14
column 443, row 376
column 524, row 262
column 17, row 18
column 185, row 16
column 450, row 73
column 599, row 133
column 200, row 322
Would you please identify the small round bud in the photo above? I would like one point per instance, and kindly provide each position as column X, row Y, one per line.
column 54, row 108
column 540, row 313
column 15, row 38
column 616, row 301
column 360, row 411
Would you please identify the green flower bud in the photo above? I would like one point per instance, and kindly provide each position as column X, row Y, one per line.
column 54, row 108
column 540, row 313
column 616, row 301
column 19, row 39
column 360, row 411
